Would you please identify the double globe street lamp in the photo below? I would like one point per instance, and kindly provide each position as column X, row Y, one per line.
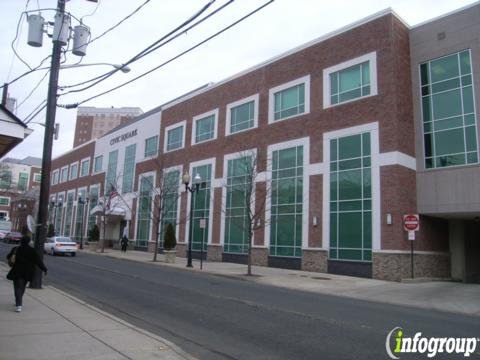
column 82, row 202
column 197, row 180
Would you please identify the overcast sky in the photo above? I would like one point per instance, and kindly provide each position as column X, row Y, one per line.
column 279, row 27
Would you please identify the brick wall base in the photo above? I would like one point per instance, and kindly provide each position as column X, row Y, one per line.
column 395, row 267
column 260, row 256
column 214, row 253
column 314, row 260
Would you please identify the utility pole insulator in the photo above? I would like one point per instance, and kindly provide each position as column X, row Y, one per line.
column 35, row 30
column 81, row 35
column 61, row 30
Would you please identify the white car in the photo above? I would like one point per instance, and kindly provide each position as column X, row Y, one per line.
column 60, row 245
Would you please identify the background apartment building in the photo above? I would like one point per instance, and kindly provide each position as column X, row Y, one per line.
column 93, row 122
column 347, row 133
column 18, row 180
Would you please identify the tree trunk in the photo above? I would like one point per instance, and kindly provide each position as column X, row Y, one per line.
column 249, row 260
column 156, row 249
column 103, row 237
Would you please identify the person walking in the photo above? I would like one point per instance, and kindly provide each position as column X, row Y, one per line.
column 124, row 243
column 23, row 260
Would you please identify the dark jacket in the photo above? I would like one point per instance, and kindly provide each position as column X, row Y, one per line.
column 25, row 260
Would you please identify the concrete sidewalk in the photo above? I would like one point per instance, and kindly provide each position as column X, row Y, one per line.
column 428, row 294
column 54, row 325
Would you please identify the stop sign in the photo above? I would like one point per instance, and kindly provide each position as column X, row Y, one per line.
column 411, row 222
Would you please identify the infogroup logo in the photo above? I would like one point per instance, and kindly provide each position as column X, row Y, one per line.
column 396, row 344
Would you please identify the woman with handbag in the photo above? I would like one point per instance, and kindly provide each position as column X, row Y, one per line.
column 23, row 259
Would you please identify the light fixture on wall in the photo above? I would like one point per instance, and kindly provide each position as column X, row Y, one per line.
column 314, row 221
column 389, row 219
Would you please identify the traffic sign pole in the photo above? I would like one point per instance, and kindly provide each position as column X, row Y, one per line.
column 411, row 223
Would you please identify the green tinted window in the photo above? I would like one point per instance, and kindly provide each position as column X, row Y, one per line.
column 239, row 194
column 98, row 164
column 287, row 202
column 168, row 209
column 205, row 129
column 448, row 107
column 128, row 168
column 241, row 117
column 200, row 202
column 350, row 83
column 111, row 182
column 22, row 181
column 350, row 198
column 151, row 145
column 144, row 211
column 289, row 102
column 175, row 138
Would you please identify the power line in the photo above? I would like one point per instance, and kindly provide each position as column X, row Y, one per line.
column 141, row 54
column 34, row 113
column 117, row 24
column 70, row 106
column 33, row 90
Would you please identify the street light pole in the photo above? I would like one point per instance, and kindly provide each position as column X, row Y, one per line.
column 83, row 203
column 41, row 232
column 193, row 190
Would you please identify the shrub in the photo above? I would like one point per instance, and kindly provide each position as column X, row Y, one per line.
column 94, row 233
column 170, row 241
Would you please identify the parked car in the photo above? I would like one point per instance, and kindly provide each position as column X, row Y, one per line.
column 60, row 245
column 13, row 237
column 2, row 235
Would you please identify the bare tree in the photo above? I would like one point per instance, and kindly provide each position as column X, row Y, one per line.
column 246, row 197
column 166, row 197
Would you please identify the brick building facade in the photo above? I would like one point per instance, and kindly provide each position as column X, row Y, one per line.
column 332, row 129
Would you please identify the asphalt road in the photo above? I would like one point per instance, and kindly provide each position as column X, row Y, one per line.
column 214, row 317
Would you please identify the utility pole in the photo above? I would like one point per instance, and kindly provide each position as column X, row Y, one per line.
column 41, row 230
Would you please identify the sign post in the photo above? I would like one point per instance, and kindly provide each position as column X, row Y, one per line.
column 203, row 225
column 411, row 223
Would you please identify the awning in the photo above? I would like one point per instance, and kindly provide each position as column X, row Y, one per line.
column 116, row 210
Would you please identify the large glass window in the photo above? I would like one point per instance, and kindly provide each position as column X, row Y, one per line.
column 64, row 174
column 111, row 182
column 81, row 196
column 85, row 167
column 448, row 111
column 287, row 202
column 4, row 201
column 350, row 83
column 151, row 145
column 201, row 208
column 93, row 201
column 55, row 177
column 128, row 168
column 351, row 198
column 73, row 171
column 175, row 138
column 98, row 164
column 170, row 196
column 22, row 181
column 144, row 211
column 242, row 117
column 238, row 199
column 58, row 214
column 289, row 102
column 68, row 215
column 205, row 129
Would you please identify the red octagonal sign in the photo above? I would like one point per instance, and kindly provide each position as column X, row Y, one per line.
column 411, row 222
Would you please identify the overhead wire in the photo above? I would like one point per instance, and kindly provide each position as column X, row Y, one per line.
column 120, row 22
column 33, row 90
column 142, row 53
column 35, row 111
column 74, row 105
